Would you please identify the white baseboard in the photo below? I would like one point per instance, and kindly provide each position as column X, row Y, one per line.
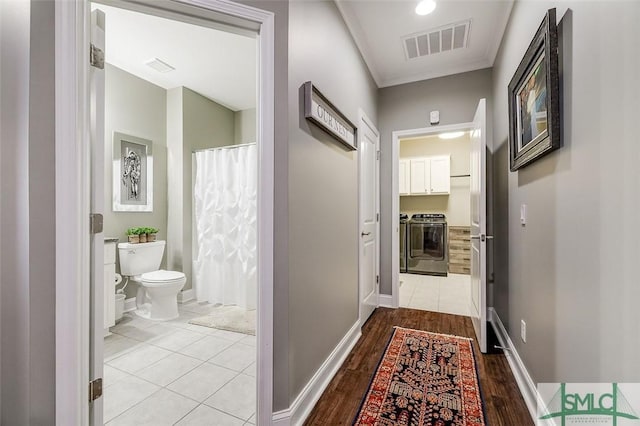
column 306, row 400
column 130, row 304
column 385, row 300
column 522, row 376
column 186, row 295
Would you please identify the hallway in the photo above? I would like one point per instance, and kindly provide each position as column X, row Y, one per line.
column 340, row 402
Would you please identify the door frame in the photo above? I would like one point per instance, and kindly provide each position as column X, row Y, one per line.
column 395, row 195
column 363, row 118
column 72, row 31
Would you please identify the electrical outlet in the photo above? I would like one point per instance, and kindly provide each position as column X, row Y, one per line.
column 523, row 331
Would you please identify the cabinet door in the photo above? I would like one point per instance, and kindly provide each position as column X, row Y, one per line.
column 404, row 177
column 440, row 175
column 419, row 176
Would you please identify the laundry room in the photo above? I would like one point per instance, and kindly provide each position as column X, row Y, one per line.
column 434, row 192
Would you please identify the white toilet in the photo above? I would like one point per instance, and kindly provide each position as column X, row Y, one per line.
column 157, row 297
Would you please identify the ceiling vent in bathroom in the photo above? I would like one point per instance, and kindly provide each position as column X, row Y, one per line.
column 159, row 65
column 438, row 40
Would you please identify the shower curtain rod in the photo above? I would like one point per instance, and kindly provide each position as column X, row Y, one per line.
column 223, row 147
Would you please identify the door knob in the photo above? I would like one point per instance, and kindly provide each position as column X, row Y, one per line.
column 365, row 233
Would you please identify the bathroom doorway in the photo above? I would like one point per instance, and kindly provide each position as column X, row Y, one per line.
column 154, row 102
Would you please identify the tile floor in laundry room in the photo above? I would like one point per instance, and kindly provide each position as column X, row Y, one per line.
column 176, row 373
column 448, row 295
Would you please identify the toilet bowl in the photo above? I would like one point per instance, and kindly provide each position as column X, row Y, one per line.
column 157, row 297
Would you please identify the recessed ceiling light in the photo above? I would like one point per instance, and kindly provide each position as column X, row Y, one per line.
column 159, row 65
column 425, row 7
column 451, row 135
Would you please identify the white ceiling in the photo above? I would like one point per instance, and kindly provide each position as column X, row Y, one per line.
column 216, row 64
column 379, row 27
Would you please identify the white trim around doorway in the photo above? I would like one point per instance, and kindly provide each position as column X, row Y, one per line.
column 73, row 190
column 395, row 195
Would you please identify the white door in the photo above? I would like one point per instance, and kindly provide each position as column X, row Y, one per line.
column 479, row 225
column 96, row 305
column 369, row 148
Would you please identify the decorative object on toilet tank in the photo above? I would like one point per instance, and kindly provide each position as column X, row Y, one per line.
column 534, row 98
column 142, row 235
column 151, row 234
column 132, row 174
column 134, row 237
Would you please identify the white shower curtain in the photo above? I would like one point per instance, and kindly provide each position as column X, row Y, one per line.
column 225, row 194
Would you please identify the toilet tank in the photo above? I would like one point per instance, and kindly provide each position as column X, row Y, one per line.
column 136, row 259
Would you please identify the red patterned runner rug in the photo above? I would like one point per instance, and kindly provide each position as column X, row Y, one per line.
column 424, row 379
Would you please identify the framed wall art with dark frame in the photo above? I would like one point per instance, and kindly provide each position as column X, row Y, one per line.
column 534, row 98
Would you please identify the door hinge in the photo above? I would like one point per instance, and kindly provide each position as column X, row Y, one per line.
column 377, row 279
column 95, row 389
column 377, row 155
column 96, row 57
column 95, row 223
column 377, row 217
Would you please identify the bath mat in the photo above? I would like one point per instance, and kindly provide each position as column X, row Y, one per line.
column 424, row 378
column 230, row 318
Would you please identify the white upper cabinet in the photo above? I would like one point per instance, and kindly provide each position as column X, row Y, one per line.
column 425, row 176
column 420, row 176
column 440, row 175
column 404, row 177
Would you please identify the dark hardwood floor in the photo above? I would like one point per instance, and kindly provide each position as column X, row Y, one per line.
column 340, row 402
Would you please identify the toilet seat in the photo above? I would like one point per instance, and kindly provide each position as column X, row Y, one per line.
column 161, row 277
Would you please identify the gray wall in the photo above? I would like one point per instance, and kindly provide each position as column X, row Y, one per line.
column 280, row 9
column 245, row 126
column 323, row 189
column 135, row 107
column 193, row 122
column 27, row 227
column 570, row 272
column 407, row 106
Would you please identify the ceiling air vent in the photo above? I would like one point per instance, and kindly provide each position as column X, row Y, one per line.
column 437, row 40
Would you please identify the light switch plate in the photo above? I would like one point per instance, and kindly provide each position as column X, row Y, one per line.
column 523, row 214
column 523, row 331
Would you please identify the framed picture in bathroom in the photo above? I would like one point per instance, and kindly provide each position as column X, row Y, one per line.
column 534, row 98
column 132, row 173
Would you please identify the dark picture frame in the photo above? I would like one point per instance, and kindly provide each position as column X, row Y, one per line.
column 534, row 98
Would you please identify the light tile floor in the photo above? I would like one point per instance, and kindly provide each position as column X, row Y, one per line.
column 176, row 373
column 449, row 295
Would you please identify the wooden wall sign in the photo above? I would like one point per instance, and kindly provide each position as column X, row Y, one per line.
column 322, row 112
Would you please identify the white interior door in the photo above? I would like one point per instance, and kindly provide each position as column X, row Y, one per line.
column 369, row 140
column 96, row 309
column 479, row 225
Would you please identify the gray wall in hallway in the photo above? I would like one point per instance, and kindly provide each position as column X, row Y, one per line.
column 135, row 107
column 280, row 9
column 407, row 106
column 323, row 189
column 27, row 225
column 571, row 273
